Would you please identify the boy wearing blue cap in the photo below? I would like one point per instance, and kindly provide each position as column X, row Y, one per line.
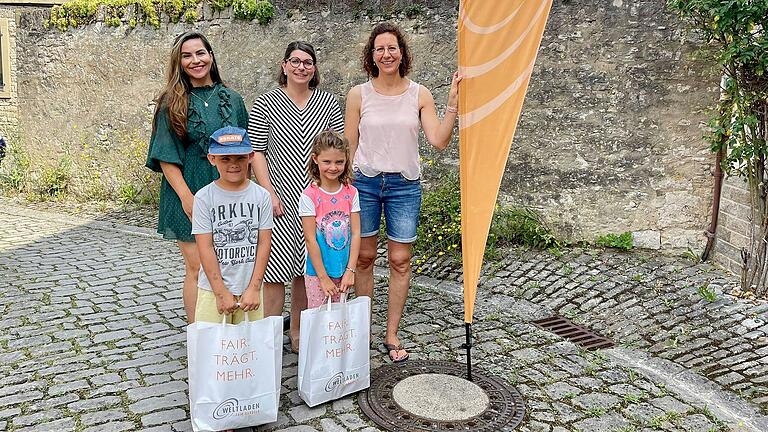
column 232, row 224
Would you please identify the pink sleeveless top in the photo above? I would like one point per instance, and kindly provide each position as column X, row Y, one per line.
column 389, row 133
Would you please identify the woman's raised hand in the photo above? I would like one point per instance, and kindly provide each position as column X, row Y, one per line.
column 453, row 93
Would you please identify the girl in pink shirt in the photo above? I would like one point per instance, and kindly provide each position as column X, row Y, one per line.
column 330, row 214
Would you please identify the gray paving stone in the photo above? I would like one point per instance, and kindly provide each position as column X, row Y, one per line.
column 303, row 413
column 596, row 401
column 20, row 398
column 670, row 404
column 59, row 389
column 103, row 416
column 9, row 413
column 561, row 390
column 163, row 417
column 343, row 405
column 300, row 428
column 609, row 422
column 352, row 421
column 642, row 412
column 54, row 402
column 328, row 425
column 65, row 424
column 139, row 393
column 94, row 404
column 38, row 417
column 118, row 426
column 150, row 404
column 109, row 378
column 186, row 426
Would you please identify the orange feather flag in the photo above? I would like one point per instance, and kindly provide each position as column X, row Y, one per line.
column 498, row 42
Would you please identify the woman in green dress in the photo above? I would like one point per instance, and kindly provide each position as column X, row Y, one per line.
column 193, row 105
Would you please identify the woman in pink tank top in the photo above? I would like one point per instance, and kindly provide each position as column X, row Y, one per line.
column 383, row 118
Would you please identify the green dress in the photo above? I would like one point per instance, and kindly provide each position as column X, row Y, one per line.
column 225, row 107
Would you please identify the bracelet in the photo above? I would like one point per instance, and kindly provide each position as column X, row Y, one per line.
column 351, row 269
column 451, row 109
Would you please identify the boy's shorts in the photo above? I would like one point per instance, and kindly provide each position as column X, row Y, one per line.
column 206, row 310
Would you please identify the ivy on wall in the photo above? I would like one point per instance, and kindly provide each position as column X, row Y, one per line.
column 74, row 13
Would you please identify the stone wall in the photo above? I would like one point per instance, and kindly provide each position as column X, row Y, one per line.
column 9, row 105
column 609, row 140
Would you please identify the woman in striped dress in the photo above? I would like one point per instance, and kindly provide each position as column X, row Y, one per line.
column 282, row 124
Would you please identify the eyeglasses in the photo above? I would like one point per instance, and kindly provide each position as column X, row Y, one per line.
column 391, row 50
column 295, row 62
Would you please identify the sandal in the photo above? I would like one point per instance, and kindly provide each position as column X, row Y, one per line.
column 396, row 348
column 294, row 345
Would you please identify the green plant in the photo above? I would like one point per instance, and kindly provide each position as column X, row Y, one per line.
column 439, row 231
column 691, row 255
column 513, row 225
column 596, row 412
column 219, row 5
column 14, row 169
column 264, row 11
column 633, row 397
column 261, row 10
column 622, row 241
column 54, row 179
column 414, row 10
column 708, row 294
column 147, row 12
column 736, row 34
column 128, row 194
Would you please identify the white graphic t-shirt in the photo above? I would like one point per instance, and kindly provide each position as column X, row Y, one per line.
column 235, row 219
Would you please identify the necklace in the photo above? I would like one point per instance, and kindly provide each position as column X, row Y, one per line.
column 205, row 101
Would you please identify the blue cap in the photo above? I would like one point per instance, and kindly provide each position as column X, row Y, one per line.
column 229, row 140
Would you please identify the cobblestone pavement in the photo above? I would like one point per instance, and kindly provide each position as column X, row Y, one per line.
column 92, row 337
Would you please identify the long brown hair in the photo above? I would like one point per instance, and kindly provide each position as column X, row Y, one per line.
column 330, row 140
column 174, row 97
column 369, row 66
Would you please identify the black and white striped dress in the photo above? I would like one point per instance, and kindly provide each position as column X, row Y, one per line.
column 284, row 133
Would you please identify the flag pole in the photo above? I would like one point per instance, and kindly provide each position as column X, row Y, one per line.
column 468, row 346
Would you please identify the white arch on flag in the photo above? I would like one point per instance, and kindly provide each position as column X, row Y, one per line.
column 474, row 71
column 487, row 29
column 474, row 116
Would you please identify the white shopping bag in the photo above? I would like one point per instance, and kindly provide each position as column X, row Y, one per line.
column 334, row 353
column 234, row 373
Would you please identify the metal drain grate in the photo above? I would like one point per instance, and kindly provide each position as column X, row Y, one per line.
column 505, row 412
column 575, row 333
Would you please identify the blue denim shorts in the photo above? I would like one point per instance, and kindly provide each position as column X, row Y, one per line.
column 400, row 199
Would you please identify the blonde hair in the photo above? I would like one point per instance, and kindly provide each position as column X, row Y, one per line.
column 174, row 97
column 330, row 140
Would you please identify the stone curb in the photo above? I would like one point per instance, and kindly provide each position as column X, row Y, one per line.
column 692, row 387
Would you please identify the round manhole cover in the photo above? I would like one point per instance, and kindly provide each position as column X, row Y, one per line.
column 440, row 397
column 435, row 396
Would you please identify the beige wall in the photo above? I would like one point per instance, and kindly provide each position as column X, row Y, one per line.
column 610, row 139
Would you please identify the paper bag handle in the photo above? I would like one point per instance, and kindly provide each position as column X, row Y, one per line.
column 342, row 299
column 246, row 318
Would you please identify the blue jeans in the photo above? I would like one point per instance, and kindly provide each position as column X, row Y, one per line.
column 400, row 199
